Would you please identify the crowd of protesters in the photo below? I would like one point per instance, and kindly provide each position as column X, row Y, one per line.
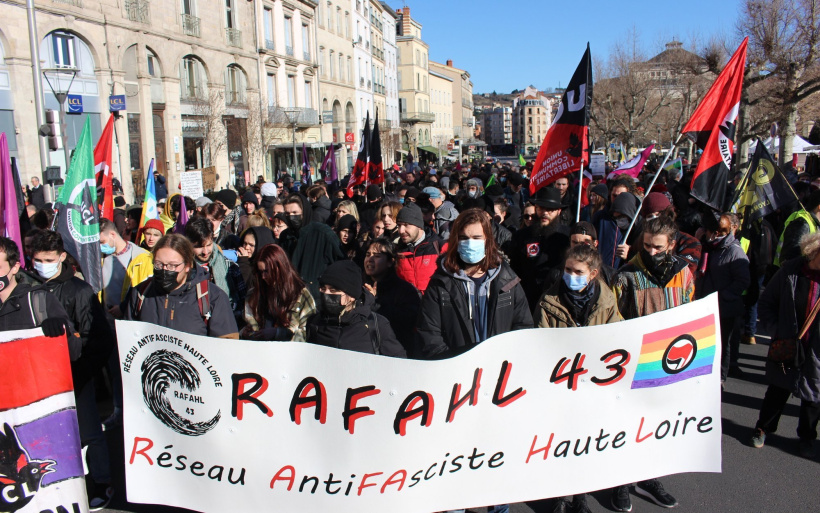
column 426, row 265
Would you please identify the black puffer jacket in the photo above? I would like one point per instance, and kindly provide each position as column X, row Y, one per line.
column 89, row 320
column 399, row 302
column 445, row 327
column 353, row 331
column 179, row 310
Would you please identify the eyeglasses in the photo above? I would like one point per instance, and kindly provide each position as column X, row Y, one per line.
column 158, row 266
column 529, row 216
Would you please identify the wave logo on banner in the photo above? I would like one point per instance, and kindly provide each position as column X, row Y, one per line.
column 173, row 389
column 677, row 353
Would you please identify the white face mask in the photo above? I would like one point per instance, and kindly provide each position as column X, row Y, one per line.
column 47, row 270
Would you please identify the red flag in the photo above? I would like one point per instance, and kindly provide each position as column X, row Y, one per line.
column 565, row 146
column 712, row 128
column 376, row 173
column 360, row 169
column 103, row 168
column 584, row 186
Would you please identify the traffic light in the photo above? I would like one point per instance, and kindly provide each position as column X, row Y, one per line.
column 52, row 130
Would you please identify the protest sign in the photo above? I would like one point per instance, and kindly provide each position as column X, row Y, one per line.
column 209, row 179
column 597, row 164
column 41, row 467
column 215, row 425
column 190, row 183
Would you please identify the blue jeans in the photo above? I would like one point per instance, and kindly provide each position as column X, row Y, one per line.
column 501, row 508
column 91, row 434
column 750, row 317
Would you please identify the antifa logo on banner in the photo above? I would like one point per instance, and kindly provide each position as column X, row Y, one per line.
column 680, row 354
column 166, row 370
column 20, row 475
column 82, row 218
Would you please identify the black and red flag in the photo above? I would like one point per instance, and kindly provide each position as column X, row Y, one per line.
column 376, row 172
column 712, row 128
column 362, row 165
column 565, row 147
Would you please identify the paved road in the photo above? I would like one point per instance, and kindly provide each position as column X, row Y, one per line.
column 771, row 479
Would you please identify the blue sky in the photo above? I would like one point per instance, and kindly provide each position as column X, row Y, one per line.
column 510, row 44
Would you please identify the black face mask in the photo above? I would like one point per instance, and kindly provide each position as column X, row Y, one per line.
column 4, row 282
column 331, row 304
column 653, row 262
column 165, row 280
column 623, row 223
column 295, row 220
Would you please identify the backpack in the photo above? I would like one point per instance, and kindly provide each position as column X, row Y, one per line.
column 201, row 298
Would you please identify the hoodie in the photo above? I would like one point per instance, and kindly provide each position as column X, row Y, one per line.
column 263, row 236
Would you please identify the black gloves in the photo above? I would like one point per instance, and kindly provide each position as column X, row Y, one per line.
column 54, row 326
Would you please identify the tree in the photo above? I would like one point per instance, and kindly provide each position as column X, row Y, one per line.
column 390, row 141
column 266, row 126
column 208, row 115
column 783, row 66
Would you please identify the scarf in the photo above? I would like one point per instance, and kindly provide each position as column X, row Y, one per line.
column 580, row 303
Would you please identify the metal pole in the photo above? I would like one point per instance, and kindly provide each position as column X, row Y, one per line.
column 34, row 48
column 294, row 151
column 580, row 191
column 652, row 183
column 64, row 129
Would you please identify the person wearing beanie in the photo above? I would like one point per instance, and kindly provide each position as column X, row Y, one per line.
column 445, row 213
column 119, row 216
column 612, row 224
column 250, row 203
column 201, row 201
column 417, row 251
column 269, row 196
column 347, row 228
column 227, row 198
column 346, row 319
column 152, row 231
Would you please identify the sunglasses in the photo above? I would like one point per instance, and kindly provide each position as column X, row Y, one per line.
column 529, row 216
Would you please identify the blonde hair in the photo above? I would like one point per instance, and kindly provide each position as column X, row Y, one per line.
column 810, row 245
column 258, row 218
column 350, row 207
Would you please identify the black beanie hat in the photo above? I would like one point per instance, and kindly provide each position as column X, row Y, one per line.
column 410, row 213
column 250, row 197
column 343, row 275
column 227, row 197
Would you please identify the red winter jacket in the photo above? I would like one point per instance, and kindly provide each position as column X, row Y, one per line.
column 416, row 264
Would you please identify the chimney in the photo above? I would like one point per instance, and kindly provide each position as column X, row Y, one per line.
column 449, row 63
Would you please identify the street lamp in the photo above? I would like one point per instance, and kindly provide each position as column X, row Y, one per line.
column 293, row 117
column 60, row 80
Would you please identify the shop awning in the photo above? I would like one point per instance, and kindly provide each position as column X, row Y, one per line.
column 430, row 149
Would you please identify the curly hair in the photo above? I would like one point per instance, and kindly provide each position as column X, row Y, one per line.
column 810, row 245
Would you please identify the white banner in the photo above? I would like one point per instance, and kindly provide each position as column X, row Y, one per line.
column 190, row 183
column 215, row 425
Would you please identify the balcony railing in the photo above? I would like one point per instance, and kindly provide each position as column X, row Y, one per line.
column 270, row 45
column 378, row 53
column 138, row 10
column 192, row 93
column 368, row 84
column 304, row 117
column 75, row 3
column 361, row 82
column 289, row 50
column 418, row 117
column 190, row 25
column 233, row 37
column 306, row 55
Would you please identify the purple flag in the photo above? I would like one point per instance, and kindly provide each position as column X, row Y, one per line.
column 328, row 169
column 182, row 217
column 10, row 219
column 306, row 178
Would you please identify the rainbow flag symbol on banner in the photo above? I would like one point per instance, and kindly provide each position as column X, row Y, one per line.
column 677, row 353
column 41, row 467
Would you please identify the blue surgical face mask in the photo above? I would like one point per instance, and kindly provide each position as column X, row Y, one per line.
column 471, row 250
column 575, row 282
column 107, row 250
column 47, row 270
column 401, row 200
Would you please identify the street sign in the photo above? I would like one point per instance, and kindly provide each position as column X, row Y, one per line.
column 75, row 104
column 116, row 102
column 327, row 117
column 612, row 145
column 350, row 137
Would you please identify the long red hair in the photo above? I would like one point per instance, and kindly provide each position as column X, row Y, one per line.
column 277, row 288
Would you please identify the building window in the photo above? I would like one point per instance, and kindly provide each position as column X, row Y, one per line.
column 329, row 17
column 341, row 69
column 291, row 91
column 306, row 42
column 151, row 64
column 230, row 14
column 332, row 69
column 271, row 89
column 267, row 18
column 63, row 46
column 349, row 70
column 347, row 24
column 339, row 20
column 321, row 61
column 289, row 35
column 189, row 7
column 308, row 103
column 234, row 85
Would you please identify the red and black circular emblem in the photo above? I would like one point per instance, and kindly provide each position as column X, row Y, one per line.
column 533, row 249
column 679, row 354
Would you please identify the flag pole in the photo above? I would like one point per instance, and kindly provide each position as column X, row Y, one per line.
column 580, row 191
column 651, row 184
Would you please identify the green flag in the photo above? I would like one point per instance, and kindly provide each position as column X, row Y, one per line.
column 766, row 188
column 521, row 161
column 491, row 181
column 78, row 217
column 676, row 166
